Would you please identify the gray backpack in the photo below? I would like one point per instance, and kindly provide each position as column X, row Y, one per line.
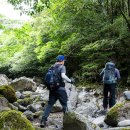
column 109, row 76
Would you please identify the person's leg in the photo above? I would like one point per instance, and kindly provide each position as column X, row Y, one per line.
column 62, row 96
column 105, row 94
column 112, row 101
column 51, row 102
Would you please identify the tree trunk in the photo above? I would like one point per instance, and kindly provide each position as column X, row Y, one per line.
column 112, row 12
column 107, row 4
column 128, row 7
column 127, row 21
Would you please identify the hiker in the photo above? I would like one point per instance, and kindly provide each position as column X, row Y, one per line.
column 110, row 75
column 56, row 91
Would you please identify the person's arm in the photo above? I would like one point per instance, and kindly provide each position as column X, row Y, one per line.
column 118, row 74
column 63, row 75
column 101, row 74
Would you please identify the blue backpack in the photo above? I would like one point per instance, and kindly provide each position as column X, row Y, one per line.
column 109, row 76
column 53, row 78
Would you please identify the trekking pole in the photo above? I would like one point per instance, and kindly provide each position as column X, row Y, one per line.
column 117, row 93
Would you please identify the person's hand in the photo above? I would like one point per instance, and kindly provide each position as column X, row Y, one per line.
column 72, row 81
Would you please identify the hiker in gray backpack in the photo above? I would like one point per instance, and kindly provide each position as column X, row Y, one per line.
column 56, row 92
column 110, row 75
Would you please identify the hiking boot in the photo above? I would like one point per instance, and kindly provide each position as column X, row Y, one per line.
column 105, row 111
column 43, row 124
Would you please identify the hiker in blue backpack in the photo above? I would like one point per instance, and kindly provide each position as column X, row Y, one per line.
column 54, row 80
column 110, row 75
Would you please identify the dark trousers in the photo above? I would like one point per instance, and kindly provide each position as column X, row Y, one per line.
column 53, row 96
column 109, row 92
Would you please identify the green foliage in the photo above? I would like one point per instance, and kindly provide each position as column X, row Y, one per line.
column 89, row 33
column 8, row 92
column 34, row 6
column 14, row 121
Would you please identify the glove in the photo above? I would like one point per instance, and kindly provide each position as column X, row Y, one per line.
column 72, row 81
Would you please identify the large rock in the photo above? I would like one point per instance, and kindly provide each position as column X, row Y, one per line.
column 126, row 95
column 24, row 84
column 4, row 80
column 124, row 123
column 75, row 121
column 8, row 92
column 87, row 109
column 119, row 112
column 72, row 95
column 4, row 104
column 13, row 120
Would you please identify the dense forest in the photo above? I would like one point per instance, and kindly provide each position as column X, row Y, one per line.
column 88, row 32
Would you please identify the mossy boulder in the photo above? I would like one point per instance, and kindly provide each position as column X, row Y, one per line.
column 8, row 92
column 14, row 120
column 117, row 113
column 75, row 121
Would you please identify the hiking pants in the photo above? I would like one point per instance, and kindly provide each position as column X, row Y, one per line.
column 109, row 92
column 53, row 96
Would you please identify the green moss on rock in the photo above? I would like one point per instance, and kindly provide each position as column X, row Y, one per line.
column 8, row 92
column 112, row 115
column 13, row 120
column 125, row 129
column 1, row 95
column 25, row 101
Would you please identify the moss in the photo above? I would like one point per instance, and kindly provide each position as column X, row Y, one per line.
column 14, row 120
column 1, row 95
column 125, row 129
column 8, row 92
column 25, row 101
column 71, row 118
column 112, row 115
column 75, row 121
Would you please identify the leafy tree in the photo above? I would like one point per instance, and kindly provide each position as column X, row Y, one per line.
column 30, row 6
